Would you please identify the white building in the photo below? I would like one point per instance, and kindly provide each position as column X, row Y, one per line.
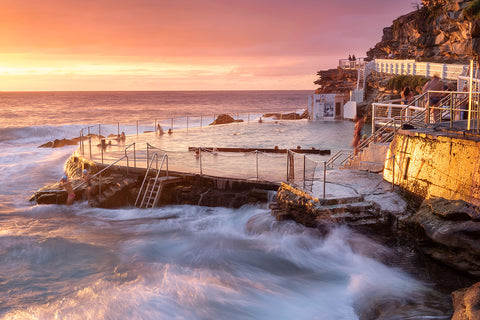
column 328, row 106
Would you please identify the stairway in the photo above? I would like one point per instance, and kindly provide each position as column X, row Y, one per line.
column 153, row 190
column 353, row 210
column 349, row 210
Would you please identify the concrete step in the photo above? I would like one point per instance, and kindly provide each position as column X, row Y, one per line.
column 368, row 166
column 347, row 207
column 344, row 200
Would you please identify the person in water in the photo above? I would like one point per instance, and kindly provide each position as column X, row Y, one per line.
column 68, row 187
column 160, row 129
column 87, row 180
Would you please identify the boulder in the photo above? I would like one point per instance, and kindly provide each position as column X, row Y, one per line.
column 466, row 303
column 58, row 143
column 224, row 119
column 448, row 231
column 287, row 116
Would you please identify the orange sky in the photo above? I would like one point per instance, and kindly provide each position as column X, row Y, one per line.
column 183, row 44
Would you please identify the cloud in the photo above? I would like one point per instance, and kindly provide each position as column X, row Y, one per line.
column 259, row 38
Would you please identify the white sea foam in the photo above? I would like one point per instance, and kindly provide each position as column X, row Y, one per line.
column 176, row 262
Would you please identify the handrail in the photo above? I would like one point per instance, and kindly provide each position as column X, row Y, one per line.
column 383, row 134
column 134, row 154
column 95, row 175
column 80, row 184
column 154, row 156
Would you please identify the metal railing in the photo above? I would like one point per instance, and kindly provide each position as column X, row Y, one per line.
column 182, row 122
column 76, row 184
column 158, row 170
column 302, row 171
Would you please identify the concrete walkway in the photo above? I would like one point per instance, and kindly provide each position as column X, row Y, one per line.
column 353, row 183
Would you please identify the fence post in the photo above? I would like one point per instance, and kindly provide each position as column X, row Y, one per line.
column 200, row 159
column 393, row 171
column 134, row 156
column 103, row 144
column 304, row 162
column 373, row 118
column 147, row 154
column 452, row 116
column 256, row 155
column 288, row 164
column 427, row 120
column 82, row 146
column 324, row 177
column 90, row 145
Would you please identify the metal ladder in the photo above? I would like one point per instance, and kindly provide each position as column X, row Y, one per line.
column 152, row 190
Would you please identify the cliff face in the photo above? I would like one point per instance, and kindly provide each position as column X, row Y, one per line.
column 336, row 80
column 434, row 32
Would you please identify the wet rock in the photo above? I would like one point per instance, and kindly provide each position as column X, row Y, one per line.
column 60, row 143
column 466, row 303
column 224, row 119
column 454, row 210
column 117, row 191
column 287, row 116
column 448, row 231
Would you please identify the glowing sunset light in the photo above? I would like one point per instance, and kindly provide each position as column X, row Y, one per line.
column 183, row 44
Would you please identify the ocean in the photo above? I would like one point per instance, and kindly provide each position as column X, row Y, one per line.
column 185, row 262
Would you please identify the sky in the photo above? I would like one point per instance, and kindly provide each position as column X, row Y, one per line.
column 70, row 45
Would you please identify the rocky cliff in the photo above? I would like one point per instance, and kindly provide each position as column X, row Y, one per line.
column 439, row 31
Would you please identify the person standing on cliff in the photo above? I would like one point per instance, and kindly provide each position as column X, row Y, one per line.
column 357, row 133
column 435, row 84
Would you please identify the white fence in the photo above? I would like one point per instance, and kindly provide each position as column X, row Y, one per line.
column 425, row 69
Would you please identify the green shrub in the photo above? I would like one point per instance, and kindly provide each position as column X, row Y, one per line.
column 472, row 10
column 399, row 82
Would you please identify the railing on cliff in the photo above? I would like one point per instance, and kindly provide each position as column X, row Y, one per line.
column 425, row 69
column 351, row 64
column 392, row 115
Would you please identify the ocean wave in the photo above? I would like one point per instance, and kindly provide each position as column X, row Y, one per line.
column 39, row 133
column 43, row 134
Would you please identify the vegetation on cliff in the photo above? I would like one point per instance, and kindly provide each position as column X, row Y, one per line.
column 397, row 83
column 472, row 11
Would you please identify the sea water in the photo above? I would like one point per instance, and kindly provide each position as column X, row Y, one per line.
column 183, row 262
